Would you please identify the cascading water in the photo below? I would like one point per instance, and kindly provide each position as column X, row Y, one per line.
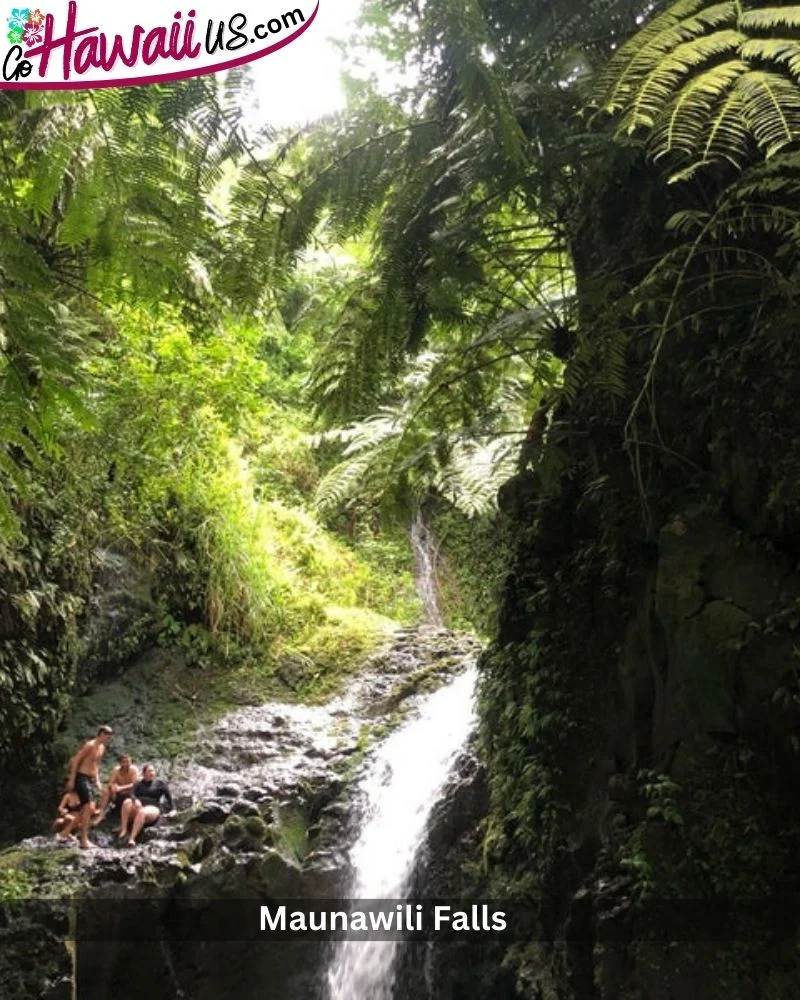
column 425, row 554
column 403, row 786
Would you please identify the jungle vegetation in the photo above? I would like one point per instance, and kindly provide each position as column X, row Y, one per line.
column 252, row 359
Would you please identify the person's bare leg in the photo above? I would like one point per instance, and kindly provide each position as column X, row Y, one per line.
column 105, row 798
column 146, row 815
column 66, row 834
column 86, row 818
column 70, row 826
column 125, row 816
column 63, row 828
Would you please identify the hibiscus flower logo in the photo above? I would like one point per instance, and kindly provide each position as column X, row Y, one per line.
column 18, row 19
column 33, row 34
column 25, row 25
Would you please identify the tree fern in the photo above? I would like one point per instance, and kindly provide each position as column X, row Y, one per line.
column 464, row 188
column 455, row 428
column 104, row 195
column 704, row 82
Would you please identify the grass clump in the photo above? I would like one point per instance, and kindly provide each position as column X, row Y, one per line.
column 327, row 652
column 27, row 874
column 15, row 885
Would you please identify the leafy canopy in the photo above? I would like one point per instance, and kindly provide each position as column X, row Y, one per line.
column 707, row 81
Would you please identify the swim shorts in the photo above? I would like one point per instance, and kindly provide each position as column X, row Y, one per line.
column 84, row 787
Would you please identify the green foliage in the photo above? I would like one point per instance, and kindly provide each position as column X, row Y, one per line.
column 106, row 195
column 15, row 885
column 360, row 353
column 45, row 582
column 432, row 440
column 649, row 874
column 472, row 561
column 661, row 793
column 525, row 723
column 27, row 874
column 193, row 463
column 388, row 584
column 320, row 658
column 438, row 350
column 704, row 81
column 704, row 839
column 196, row 436
column 291, row 831
column 284, row 464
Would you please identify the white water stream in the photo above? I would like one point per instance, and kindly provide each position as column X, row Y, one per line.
column 425, row 554
column 404, row 784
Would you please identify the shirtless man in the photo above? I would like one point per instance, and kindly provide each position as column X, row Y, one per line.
column 84, row 771
column 123, row 778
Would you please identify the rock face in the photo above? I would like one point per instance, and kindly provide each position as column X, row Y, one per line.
column 119, row 620
column 655, row 773
column 455, row 970
column 641, row 701
column 264, row 814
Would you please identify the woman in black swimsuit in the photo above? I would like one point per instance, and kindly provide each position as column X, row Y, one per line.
column 143, row 808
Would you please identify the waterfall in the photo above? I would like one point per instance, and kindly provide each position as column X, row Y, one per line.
column 401, row 789
column 425, row 554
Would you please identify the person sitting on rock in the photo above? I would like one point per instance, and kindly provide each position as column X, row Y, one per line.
column 143, row 808
column 68, row 818
column 119, row 787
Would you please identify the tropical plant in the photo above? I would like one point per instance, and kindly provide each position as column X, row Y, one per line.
column 711, row 91
column 104, row 196
column 451, row 425
column 707, row 82
column 464, row 187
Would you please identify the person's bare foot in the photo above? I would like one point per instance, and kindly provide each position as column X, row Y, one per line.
column 121, row 834
column 69, row 839
column 131, row 843
column 98, row 819
column 88, row 846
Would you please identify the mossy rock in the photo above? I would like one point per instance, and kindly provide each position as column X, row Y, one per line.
column 256, row 829
column 201, row 849
column 279, row 876
column 245, row 833
column 45, row 874
column 233, row 832
column 291, row 832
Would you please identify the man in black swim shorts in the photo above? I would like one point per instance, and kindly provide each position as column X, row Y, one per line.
column 84, row 773
column 119, row 787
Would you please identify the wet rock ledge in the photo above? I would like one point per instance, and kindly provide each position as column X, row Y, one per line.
column 264, row 799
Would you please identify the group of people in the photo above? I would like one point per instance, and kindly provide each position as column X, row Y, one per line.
column 138, row 799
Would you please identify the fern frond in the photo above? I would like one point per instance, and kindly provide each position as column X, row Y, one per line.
column 105, row 195
column 708, row 96
column 704, row 81
column 682, row 22
column 770, row 18
column 771, row 108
